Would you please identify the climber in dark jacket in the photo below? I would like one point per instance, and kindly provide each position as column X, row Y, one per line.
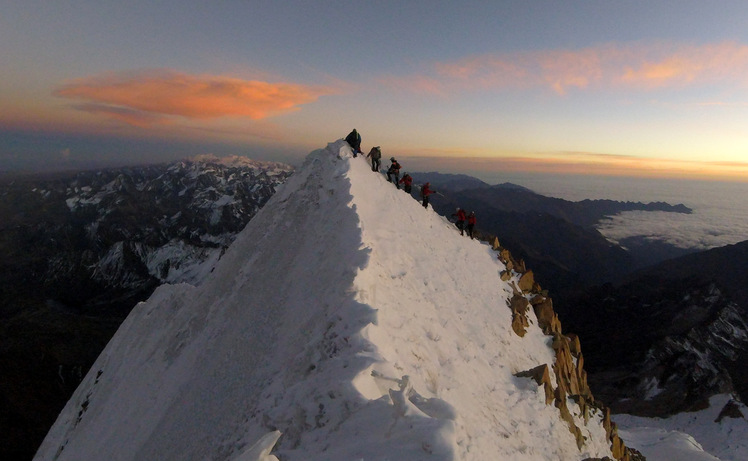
column 471, row 223
column 376, row 158
column 354, row 140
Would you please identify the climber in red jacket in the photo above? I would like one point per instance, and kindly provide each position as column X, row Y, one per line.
column 407, row 182
column 425, row 192
column 460, row 214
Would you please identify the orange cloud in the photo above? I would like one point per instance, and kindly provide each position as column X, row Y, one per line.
column 565, row 69
column 726, row 61
column 148, row 97
column 643, row 66
column 558, row 70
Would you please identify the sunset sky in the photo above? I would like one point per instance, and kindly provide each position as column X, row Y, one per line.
column 641, row 88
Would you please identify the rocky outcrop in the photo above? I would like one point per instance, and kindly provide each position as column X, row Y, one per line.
column 568, row 367
column 542, row 376
column 547, row 317
column 519, row 306
column 730, row 410
column 526, row 282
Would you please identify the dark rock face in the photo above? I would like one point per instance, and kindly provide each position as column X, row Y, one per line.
column 79, row 250
column 670, row 337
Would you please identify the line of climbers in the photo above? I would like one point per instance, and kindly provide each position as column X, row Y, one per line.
column 354, row 140
column 393, row 172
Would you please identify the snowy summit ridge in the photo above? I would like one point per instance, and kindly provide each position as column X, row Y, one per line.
column 345, row 322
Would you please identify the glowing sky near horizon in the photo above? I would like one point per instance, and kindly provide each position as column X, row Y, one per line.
column 642, row 88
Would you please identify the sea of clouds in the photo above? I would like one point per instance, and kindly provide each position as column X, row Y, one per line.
column 719, row 218
column 702, row 230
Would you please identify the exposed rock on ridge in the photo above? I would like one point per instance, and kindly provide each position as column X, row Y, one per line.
column 568, row 368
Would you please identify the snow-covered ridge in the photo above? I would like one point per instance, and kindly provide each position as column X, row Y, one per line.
column 345, row 316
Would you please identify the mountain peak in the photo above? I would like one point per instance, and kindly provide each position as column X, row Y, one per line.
column 240, row 161
column 345, row 322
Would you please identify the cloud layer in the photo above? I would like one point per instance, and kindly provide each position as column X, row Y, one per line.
column 580, row 163
column 641, row 66
column 145, row 98
column 720, row 216
column 705, row 229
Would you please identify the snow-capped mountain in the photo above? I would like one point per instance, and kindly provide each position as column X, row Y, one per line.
column 187, row 214
column 345, row 322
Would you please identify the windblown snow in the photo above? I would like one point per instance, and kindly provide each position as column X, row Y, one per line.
column 346, row 322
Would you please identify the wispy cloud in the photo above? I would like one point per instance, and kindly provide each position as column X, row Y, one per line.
column 690, row 65
column 124, row 114
column 639, row 66
column 147, row 97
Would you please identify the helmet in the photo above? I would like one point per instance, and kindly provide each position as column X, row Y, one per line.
column 392, row 159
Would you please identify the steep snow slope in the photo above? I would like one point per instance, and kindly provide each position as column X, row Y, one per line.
column 345, row 316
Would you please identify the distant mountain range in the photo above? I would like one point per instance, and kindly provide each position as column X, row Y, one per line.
column 557, row 238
